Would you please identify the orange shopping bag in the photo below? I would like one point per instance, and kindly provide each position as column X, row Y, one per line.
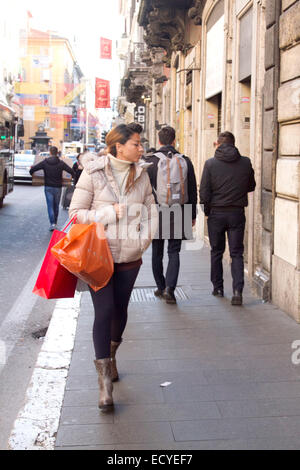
column 85, row 252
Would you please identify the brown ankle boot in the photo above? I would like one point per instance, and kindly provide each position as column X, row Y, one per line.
column 113, row 363
column 105, row 384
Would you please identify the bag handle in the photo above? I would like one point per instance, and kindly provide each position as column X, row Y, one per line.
column 72, row 221
column 181, row 179
column 168, row 181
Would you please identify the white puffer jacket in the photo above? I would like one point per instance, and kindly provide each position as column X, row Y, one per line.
column 94, row 198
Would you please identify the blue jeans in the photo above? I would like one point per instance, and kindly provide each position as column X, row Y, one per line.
column 53, row 198
column 174, row 247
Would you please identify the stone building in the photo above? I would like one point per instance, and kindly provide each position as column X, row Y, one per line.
column 281, row 155
column 13, row 20
column 134, row 70
column 233, row 65
column 51, row 90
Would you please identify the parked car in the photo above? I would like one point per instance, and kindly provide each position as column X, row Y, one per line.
column 22, row 165
column 6, row 173
column 90, row 147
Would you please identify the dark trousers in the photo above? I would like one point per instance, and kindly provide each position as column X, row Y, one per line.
column 53, row 196
column 174, row 247
column 232, row 223
column 110, row 305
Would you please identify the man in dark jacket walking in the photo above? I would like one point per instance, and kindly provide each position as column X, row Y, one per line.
column 176, row 231
column 226, row 181
column 53, row 170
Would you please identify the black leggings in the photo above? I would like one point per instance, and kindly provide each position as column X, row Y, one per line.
column 111, row 304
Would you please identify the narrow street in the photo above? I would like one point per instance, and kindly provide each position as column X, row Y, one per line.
column 24, row 238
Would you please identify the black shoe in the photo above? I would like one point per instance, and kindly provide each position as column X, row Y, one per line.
column 218, row 292
column 169, row 296
column 158, row 293
column 237, row 298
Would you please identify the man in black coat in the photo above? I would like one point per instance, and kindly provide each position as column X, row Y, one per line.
column 169, row 227
column 53, row 170
column 226, row 181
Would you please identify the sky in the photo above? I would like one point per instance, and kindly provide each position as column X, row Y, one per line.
column 86, row 21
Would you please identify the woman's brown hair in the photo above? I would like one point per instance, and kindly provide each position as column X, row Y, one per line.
column 121, row 134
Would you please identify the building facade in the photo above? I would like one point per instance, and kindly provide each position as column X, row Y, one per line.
column 12, row 22
column 51, row 89
column 233, row 65
column 134, row 69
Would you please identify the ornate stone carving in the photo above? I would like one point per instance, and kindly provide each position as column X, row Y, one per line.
column 163, row 21
column 195, row 13
column 164, row 25
column 134, row 85
column 161, row 79
column 165, row 29
column 146, row 58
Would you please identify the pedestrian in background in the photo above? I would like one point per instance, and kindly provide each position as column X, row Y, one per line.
column 53, row 169
column 69, row 190
column 149, row 153
column 77, row 169
column 166, row 285
column 226, row 181
column 118, row 176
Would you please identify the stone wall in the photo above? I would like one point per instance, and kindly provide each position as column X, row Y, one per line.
column 286, row 257
column 262, row 276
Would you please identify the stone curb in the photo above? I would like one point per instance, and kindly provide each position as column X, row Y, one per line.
column 37, row 423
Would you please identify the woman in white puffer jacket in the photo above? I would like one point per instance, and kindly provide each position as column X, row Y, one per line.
column 115, row 190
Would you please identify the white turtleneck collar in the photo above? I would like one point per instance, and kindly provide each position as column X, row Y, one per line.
column 119, row 165
column 120, row 170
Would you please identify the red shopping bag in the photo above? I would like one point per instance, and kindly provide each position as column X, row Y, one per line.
column 54, row 281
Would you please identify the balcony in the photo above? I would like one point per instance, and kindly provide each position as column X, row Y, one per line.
column 136, row 75
column 136, row 56
column 164, row 23
column 149, row 5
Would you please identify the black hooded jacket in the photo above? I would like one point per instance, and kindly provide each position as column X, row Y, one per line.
column 227, row 179
column 53, row 170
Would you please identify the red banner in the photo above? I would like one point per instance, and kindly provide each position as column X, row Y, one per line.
column 105, row 48
column 102, row 93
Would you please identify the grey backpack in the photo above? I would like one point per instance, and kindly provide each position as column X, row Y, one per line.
column 172, row 187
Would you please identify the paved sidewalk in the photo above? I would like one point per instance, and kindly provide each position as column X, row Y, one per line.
column 233, row 384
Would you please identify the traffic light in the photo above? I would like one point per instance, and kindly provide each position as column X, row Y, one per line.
column 3, row 133
column 103, row 136
column 20, row 130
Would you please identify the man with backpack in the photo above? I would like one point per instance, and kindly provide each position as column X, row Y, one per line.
column 53, row 170
column 174, row 186
column 227, row 179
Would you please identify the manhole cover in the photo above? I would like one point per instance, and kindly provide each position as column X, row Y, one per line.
column 146, row 294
